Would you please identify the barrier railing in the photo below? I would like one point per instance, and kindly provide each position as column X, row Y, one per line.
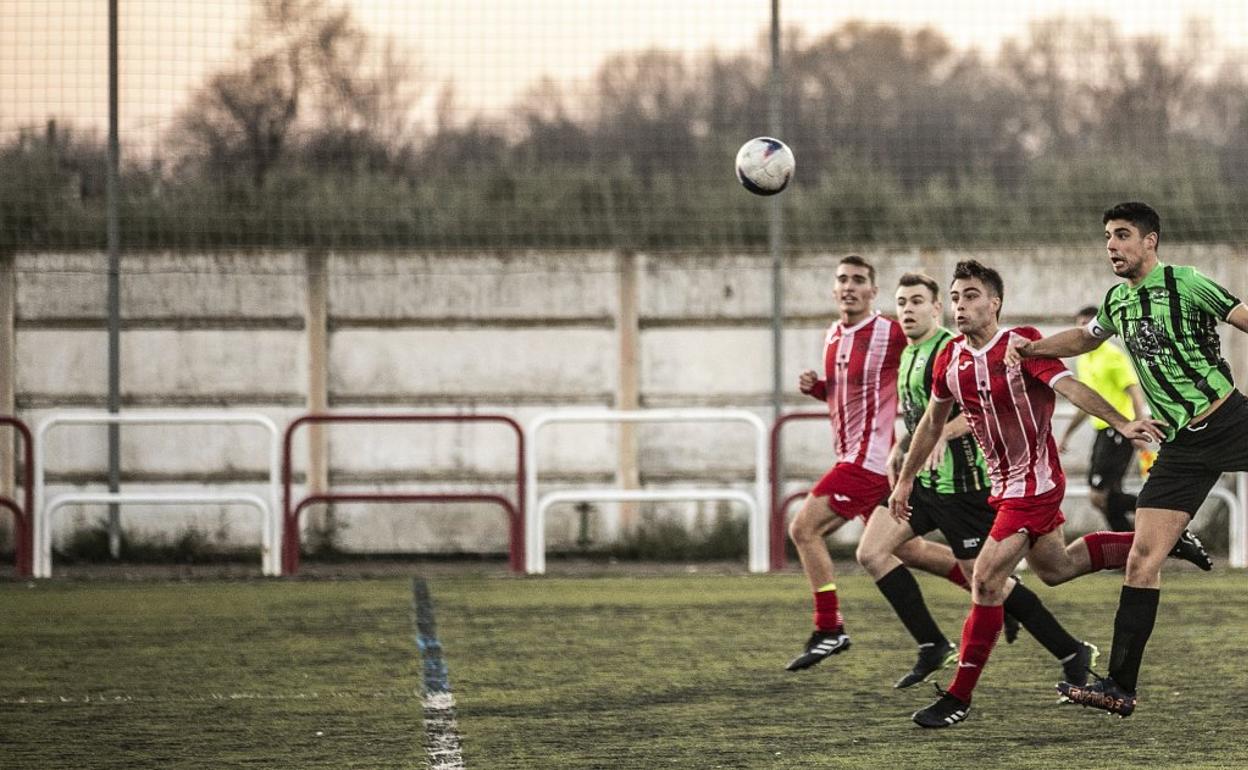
column 1239, row 525
column 535, row 520
column 778, row 506
column 23, row 513
column 270, row 530
column 292, row 509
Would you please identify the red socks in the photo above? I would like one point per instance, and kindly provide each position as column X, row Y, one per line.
column 827, row 611
column 958, row 577
column 979, row 634
column 1108, row 550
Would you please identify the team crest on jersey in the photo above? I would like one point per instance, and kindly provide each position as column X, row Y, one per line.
column 1143, row 339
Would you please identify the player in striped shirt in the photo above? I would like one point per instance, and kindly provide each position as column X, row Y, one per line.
column 1010, row 410
column 951, row 494
column 861, row 354
column 1167, row 316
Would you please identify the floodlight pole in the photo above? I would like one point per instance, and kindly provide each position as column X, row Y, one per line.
column 112, row 191
column 775, row 234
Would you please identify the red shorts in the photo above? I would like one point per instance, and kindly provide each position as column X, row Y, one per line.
column 852, row 490
column 1037, row 515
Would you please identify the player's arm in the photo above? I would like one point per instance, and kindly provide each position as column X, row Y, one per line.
column 1091, row 402
column 956, row 428
column 922, row 441
column 1071, row 427
column 1067, row 344
column 1239, row 318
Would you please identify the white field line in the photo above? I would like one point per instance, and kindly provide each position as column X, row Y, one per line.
column 210, row 697
column 441, row 731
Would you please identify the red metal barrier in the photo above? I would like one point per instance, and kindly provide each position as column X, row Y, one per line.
column 290, row 512
column 23, row 514
column 778, row 507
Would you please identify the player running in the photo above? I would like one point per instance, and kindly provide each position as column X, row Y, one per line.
column 861, row 353
column 951, row 494
column 1167, row 316
column 1009, row 410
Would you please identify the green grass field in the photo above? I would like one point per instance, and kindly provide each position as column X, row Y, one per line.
column 580, row 672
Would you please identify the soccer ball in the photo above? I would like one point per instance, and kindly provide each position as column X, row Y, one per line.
column 765, row 165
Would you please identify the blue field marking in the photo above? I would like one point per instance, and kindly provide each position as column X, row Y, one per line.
column 441, row 731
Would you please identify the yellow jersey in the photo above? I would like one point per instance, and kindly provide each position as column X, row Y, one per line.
column 1107, row 370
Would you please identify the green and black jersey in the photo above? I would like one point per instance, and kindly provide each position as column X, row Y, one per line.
column 963, row 469
column 1169, row 325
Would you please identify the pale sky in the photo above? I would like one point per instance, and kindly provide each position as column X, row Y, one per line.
column 53, row 52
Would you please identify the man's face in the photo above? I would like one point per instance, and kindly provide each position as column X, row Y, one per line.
column 1128, row 250
column 974, row 305
column 854, row 290
column 916, row 310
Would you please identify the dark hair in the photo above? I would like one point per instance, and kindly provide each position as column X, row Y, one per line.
column 921, row 279
column 857, row 261
column 1143, row 216
column 990, row 278
column 1088, row 311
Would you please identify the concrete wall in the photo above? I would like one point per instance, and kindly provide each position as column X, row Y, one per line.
column 517, row 333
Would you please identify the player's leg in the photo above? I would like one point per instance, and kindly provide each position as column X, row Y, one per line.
column 882, row 537
column 1185, row 470
column 964, row 518
column 1098, row 551
column 1111, row 455
column 996, row 561
column 1157, row 530
column 933, row 558
column 1077, row 657
column 814, row 522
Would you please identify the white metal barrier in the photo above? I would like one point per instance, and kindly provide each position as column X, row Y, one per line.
column 756, row 504
column 1239, row 525
column 270, row 509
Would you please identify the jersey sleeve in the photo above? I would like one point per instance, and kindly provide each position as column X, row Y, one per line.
column 940, row 384
column 1208, row 295
column 1102, row 327
column 1047, row 370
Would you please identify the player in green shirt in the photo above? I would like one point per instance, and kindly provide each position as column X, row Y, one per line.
column 1167, row 316
column 951, row 495
column 1107, row 370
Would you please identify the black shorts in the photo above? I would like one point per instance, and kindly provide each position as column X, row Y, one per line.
column 1111, row 454
column 1188, row 466
column 964, row 518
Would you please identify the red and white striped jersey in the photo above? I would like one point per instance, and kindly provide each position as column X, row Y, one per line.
column 1010, row 410
column 860, row 365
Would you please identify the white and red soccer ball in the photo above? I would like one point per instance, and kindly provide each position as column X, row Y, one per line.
column 765, row 165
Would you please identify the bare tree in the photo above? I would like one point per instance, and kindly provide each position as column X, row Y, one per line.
column 307, row 70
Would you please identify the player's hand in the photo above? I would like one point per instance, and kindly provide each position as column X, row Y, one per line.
column 1144, row 433
column 807, row 380
column 1014, row 353
column 899, row 500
